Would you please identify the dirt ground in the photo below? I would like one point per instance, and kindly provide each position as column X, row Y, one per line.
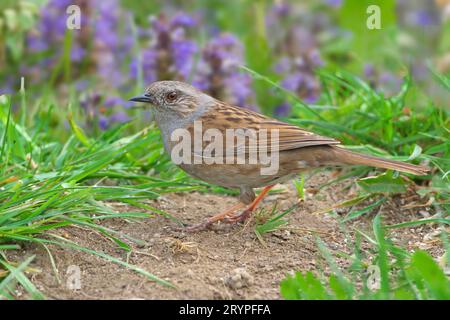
column 226, row 263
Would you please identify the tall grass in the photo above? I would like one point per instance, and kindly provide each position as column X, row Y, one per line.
column 47, row 184
column 53, row 174
column 368, row 122
column 50, row 181
column 385, row 271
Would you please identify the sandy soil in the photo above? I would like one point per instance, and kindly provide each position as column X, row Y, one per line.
column 226, row 263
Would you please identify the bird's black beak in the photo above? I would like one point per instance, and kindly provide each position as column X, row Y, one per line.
column 144, row 98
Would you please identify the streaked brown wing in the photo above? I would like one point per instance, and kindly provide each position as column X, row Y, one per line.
column 289, row 136
column 292, row 137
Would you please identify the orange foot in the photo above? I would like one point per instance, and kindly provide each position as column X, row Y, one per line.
column 227, row 216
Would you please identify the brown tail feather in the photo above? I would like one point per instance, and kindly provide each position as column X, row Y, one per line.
column 349, row 157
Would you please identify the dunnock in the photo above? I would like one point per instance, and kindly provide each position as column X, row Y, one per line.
column 178, row 105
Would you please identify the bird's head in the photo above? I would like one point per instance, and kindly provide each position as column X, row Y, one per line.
column 173, row 96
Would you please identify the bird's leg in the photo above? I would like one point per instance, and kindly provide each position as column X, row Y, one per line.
column 218, row 217
column 248, row 211
column 227, row 215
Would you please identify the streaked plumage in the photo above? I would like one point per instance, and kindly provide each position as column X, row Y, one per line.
column 179, row 105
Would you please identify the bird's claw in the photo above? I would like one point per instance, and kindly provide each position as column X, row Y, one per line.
column 229, row 219
column 195, row 227
column 235, row 218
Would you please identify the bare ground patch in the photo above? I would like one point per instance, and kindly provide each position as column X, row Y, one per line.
column 226, row 263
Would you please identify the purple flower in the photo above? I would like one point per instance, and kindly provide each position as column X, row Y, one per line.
column 201, row 84
column 369, row 70
column 292, row 81
column 149, row 65
column 107, row 69
column 389, row 83
column 218, row 72
column 60, row 4
column 112, row 101
column 334, row 3
column 159, row 24
column 283, row 110
column 182, row 19
column 387, row 77
column 48, row 34
column 35, row 43
column 183, row 53
column 53, row 20
column 227, row 41
column 104, row 110
column 419, row 71
column 382, row 81
column 424, row 18
column 134, row 68
column 106, row 22
column 296, row 66
column 81, row 85
column 100, row 21
column 315, row 58
column 283, row 65
column 7, row 86
column 239, row 87
column 281, row 9
column 301, row 80
column 312, row 97
column 6, row 90
column 103, row 35
column 120, row 117
column 103, row 122
column 169, row 54
column 110, row 46
column 77, row 53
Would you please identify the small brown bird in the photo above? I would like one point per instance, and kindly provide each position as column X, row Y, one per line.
column 261, row 152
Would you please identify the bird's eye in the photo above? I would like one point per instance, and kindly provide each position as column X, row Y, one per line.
column 171, row 96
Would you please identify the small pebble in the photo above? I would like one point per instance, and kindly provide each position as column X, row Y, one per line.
column 424, row 213
column 238, row 279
